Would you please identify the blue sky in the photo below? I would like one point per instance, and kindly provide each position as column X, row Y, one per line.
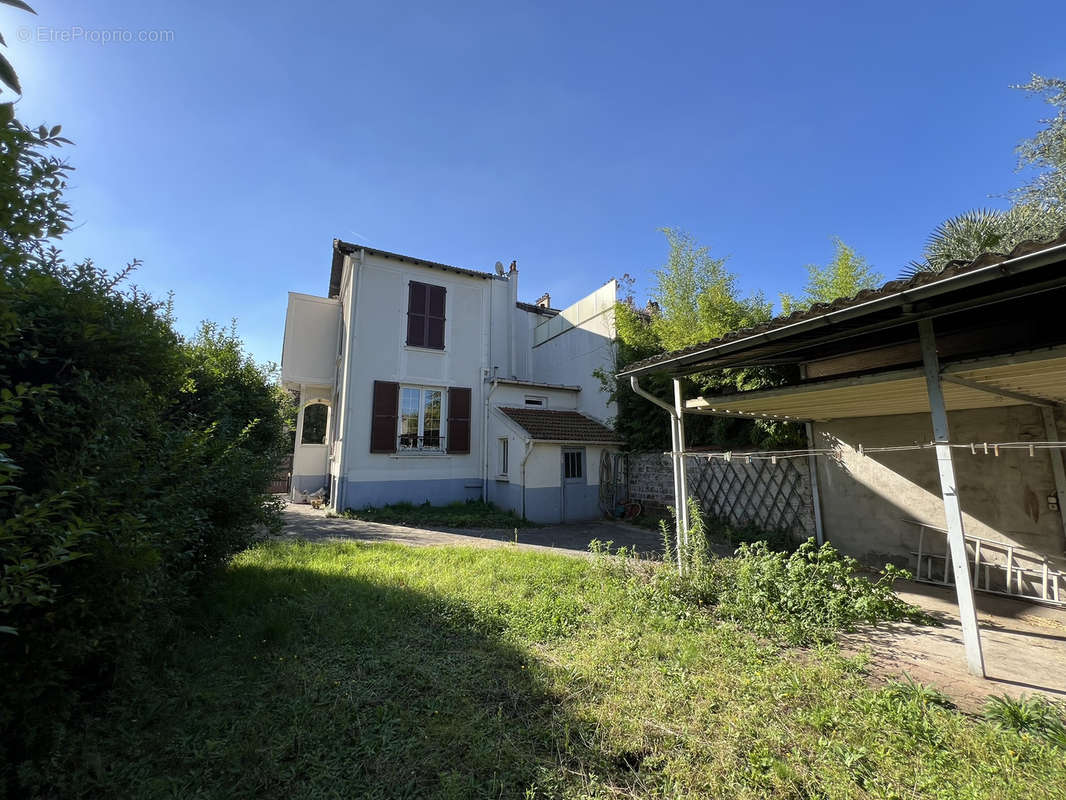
column 563, row 135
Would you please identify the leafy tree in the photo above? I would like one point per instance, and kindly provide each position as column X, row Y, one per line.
column 698, row 297
column 7, row 72
column 844, row 276
column 133, row 461
column 694, row 299
column 1046, row 151
column 1038, row 208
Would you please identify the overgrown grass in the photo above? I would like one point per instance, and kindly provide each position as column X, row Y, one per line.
column 471, row 514
column 378, row 671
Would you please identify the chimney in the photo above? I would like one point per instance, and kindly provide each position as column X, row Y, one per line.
column 544, row 301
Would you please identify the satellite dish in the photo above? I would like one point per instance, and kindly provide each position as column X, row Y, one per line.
column 499, row 268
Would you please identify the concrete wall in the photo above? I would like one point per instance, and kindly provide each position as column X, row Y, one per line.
column 866, row 499
column 569, row 348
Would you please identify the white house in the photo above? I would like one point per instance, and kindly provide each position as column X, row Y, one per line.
column 422, row 381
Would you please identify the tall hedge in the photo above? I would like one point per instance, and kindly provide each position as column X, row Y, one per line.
column 132, row 461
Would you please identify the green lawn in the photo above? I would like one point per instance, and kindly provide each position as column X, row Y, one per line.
column 365, row 671
column 471, row 514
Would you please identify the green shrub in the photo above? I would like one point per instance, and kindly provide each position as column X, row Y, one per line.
column 132, row 461
column 801, row 597
column 809, row 595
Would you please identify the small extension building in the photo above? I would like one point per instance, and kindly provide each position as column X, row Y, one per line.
column 420, row 381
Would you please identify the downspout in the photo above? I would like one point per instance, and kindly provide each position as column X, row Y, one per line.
column 635, row 386
column 525, row 458
column 485, row 442
column 342, row 480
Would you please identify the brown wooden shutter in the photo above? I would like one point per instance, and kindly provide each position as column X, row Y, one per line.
column 383, row 430
column 458, row 420
column 435, row 316
column 416, row 314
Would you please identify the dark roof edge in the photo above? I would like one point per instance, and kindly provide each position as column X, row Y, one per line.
column 537, row 384
column 542, row 310
column 986, row 267
column 342, row 248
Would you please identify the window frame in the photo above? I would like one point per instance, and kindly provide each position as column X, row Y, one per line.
column 442, row 422
column 423, row 343
column 503, row 455
column 538, row 400
column 577, row 457
column 325, row 424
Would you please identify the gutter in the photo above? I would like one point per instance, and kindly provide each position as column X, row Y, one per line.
column 1024, row 263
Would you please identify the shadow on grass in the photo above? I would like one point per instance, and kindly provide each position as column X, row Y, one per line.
column 303, row 683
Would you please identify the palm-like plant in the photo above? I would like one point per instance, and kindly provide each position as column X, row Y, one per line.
column 986, row 230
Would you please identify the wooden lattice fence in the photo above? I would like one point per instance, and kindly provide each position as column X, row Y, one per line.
column 768, row 496
column 762, row 494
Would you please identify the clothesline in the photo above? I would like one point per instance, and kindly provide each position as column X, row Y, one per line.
column 773, row 456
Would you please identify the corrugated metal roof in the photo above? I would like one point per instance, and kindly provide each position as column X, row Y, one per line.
column 922, row 279
column 560, row 426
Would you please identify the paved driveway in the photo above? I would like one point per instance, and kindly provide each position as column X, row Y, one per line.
column 303, row 522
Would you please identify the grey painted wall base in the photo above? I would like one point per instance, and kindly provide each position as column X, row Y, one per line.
column 374, row 494
column 308, row 483
column 506, row 495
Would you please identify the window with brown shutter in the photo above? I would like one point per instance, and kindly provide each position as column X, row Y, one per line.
column 384, row 417
column 458, row 420
column 425, row 315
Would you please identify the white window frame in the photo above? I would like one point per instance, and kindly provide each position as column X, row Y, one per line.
column 503, row 446
column 421, row 448
column 540, row 401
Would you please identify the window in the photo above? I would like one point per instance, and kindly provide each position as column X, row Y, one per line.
column 314, row 426
column 572, row 467
column 413, row 418
column 425, row 315
column 502, row 469
column 420, row 417
column 536, row 400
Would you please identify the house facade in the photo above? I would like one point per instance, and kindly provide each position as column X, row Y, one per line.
column 411, row 376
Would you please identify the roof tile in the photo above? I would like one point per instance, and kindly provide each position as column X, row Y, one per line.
column 560, row 426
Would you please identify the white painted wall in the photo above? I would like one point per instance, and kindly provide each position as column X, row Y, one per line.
column 379, row 352
column 570, row 347
column 342, row 345
column 309, row 351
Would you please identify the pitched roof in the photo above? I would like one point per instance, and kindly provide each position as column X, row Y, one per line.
column 560, row 426
column 867, row 296
column 341, row 249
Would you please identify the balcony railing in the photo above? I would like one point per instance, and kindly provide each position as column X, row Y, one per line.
column 429, row 443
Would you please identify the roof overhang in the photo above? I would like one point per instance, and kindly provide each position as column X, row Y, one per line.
column 342, row 248
column 971, row 286
column 1035, row 377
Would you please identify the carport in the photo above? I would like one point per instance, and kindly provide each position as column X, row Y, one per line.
column 971, row 345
